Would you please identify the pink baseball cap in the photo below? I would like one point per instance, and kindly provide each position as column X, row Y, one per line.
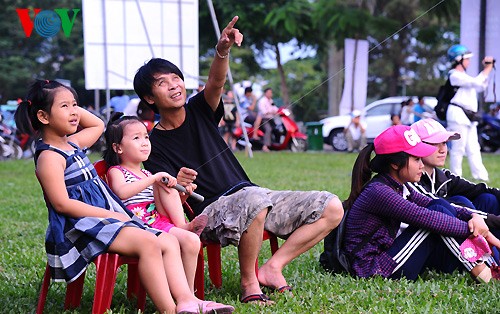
column 475, row 248
column 402, row 138
column 431, row 131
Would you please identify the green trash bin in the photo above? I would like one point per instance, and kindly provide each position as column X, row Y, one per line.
column 314, row 135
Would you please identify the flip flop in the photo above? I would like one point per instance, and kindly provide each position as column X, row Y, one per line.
column 282, row 289
column 259, row 298
column 285, row 288
column 214, row 307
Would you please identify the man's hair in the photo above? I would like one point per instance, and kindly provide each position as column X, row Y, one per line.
column 248, row 90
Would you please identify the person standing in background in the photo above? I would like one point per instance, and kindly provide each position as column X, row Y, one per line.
column 466, row 99
column 407, row 115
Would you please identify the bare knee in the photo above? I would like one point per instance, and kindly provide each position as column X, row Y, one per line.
column 190, row 243
column 167, row 242
column 261, row 217
column 333, row 212
column 150, row 244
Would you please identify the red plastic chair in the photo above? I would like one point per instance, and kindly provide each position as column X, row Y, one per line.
column 107, row 266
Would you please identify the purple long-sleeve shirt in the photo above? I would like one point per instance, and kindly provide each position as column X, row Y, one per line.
column 379, row 210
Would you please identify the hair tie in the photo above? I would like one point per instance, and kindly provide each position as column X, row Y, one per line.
column 29, row 102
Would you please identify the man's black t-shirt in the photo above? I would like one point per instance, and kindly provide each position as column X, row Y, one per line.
column 197, row 144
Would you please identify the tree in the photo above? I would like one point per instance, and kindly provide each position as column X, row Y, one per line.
column 266, row 25
column 336, row 21
column 406, row 39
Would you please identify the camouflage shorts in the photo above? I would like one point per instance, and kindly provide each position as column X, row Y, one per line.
column 231, row 215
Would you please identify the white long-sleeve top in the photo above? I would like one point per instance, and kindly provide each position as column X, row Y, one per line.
column 266, row 108
column 466, row 95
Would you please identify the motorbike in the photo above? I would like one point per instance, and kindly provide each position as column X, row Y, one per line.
column 10, row 147
column 285, row 134
column 488, row 132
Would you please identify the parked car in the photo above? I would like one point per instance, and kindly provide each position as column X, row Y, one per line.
column 376, row 116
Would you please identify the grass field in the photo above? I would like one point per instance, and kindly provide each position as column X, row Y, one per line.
column 23, row 220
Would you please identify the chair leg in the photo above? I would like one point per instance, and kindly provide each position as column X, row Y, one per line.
column 43, row 291
column 273, row 241
column 133, row 282
column 134, row 286
column 199, row 278
column 141, row 298
column 105, row 282
column 74, row 293
column 214, row 264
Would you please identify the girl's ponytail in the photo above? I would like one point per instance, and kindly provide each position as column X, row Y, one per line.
column 361, row 174
column 22, row 117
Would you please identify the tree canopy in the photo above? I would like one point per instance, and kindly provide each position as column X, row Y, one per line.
column 407, row 45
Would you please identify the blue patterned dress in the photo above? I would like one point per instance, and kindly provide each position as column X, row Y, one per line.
column 72, row 243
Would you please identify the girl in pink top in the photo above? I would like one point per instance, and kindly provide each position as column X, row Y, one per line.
column 144, row 193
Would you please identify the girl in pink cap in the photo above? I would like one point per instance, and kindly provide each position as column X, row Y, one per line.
column 393, row 231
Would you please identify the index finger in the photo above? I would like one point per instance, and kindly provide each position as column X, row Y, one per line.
column 233, row 21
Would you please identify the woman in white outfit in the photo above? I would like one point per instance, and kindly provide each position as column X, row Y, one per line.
column 457, row 120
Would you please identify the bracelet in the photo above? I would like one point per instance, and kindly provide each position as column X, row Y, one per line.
column 219, row 55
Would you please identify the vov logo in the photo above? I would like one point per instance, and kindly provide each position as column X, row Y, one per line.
column 47, row 23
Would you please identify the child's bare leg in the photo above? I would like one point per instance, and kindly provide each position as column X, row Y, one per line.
column 190, row 247
column 169, row 204
column 146, row 246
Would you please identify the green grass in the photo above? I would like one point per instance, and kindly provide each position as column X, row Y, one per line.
column 23, row 220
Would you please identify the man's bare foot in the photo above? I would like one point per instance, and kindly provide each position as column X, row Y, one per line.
column 198, row 224
column 271, row 278
column 265, row 149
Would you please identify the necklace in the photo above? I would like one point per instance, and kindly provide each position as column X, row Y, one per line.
column 164, row 128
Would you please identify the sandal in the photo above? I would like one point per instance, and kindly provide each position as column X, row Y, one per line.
column 282, row 289
column 259, row 298
column 214, row 307
column 190, row 309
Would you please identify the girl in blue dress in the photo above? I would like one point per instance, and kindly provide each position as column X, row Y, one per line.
column 85, row 218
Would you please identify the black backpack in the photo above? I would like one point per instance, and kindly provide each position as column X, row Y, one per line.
column 444, row 96
column 333, row 259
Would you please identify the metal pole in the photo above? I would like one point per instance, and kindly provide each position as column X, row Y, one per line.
column 106, row 77
column 248, row 146
column 97, row 104
column 482, row 47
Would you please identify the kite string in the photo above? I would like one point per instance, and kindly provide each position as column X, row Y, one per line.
column 336, row 73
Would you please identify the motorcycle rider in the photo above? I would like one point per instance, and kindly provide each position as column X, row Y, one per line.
column 247, row 110
column 267, row 110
